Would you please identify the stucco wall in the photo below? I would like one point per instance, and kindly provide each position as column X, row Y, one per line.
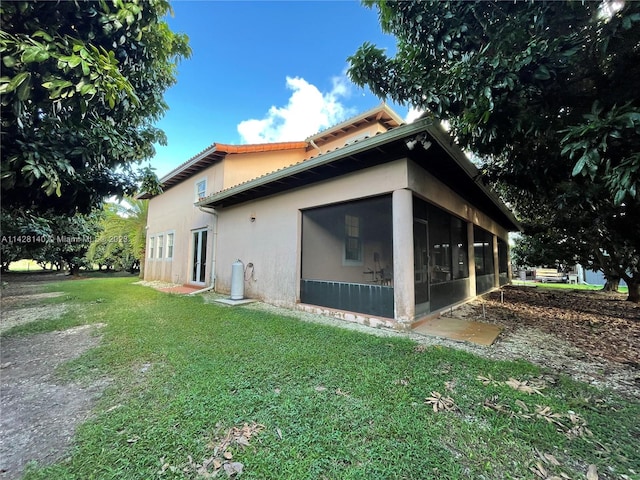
column 272, row 242
column 241, row 167
column 428, row 187
column 365, row 130
column 174, row 211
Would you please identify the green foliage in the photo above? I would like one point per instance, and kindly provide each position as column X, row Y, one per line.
column 520, row 80
column 59, row 240
column 81, row 87
column 122, row 239
column 546, row 93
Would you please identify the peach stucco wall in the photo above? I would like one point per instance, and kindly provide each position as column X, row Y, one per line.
column 174, row 211
column 272, row 242
column 239, row 168
column 366, row 130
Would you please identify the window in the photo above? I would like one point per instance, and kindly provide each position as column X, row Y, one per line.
column 483, row 247
column 201, row 189
column 460, row 250
column 169, row 245
column 152, row 244
column 160, row 245
column 352, row 239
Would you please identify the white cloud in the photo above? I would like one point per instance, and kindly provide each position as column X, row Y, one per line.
column 309, row 110
column 413, row 114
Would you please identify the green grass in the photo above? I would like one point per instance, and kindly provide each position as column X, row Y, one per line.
column 334, row 403
column 565, row 286
column 25, row 266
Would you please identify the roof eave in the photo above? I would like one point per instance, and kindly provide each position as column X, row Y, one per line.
column 422, row 125
column 313, row 162
column 443, row 139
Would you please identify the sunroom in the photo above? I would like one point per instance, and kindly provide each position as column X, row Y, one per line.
column 388, row 230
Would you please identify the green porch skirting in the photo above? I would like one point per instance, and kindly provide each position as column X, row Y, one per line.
column 375, row 300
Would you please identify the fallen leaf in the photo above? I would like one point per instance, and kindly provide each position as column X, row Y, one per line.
column 522, row 405
column 539, row 470
column 439, row 403
column 228, row 455
column 279, row 432
column 320, row 388
column 233, row 468
column 592, row 472
column 486, row 380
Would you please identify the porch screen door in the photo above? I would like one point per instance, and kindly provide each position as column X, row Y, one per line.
column 198, row 274
column 421, row 273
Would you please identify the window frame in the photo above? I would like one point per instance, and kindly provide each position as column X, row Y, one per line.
column 349, row 237
column 160, row 246
column 152, row 246
column 201, row 181
column 170, row 245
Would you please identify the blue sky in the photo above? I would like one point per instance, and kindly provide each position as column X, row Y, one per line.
column 264, row 71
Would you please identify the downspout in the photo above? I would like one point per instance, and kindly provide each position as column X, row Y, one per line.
column 213, row 212
column 313, row 144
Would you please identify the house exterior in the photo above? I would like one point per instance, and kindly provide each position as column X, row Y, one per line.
column 372, row 220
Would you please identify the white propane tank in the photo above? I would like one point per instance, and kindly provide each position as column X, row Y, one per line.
column 237, row 280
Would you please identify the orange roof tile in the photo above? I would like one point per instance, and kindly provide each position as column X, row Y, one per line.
column 260, row 147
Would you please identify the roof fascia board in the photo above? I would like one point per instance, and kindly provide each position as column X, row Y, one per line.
column 189, row 163
column 425, row 124
column 354, row 148
column 380, row 108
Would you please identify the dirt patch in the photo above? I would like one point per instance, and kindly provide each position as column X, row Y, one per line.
column 591, row 336
column 21, row 316
column 39, row 412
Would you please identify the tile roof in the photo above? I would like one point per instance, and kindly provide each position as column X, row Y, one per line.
column 217, row 151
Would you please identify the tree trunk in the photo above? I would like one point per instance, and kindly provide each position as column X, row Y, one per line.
column 611, row 285
column 634, row 292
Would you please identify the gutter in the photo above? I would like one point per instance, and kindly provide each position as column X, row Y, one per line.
column 398, row 133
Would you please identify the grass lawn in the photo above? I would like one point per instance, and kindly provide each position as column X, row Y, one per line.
column 25, row 266
column 565, row 286
column 193, row 382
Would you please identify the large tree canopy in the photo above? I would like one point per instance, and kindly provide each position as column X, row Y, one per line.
column 82, row 86
column 547, row 92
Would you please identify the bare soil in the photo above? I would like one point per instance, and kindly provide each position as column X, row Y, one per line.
column 590, row 336
column 39, row 411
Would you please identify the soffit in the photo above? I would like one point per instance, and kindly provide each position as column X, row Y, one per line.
column 442, row 160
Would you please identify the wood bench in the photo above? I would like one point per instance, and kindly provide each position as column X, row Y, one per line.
column 549, row 275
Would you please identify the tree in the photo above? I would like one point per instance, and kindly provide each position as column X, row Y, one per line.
column 60, row 240
column 122, row 239
column 546, row 92
column 81, row 87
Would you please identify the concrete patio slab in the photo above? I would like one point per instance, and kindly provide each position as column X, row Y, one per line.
column 233, row 303
column 458, row 329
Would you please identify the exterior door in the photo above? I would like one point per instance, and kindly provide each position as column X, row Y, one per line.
column 422, row 278
column 199, row 261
